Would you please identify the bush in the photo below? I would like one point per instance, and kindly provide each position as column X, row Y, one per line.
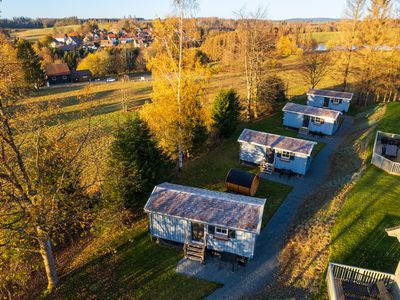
column 226, row 112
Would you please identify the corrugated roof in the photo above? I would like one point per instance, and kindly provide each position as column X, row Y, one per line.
column 331, row 94
column 311, row 111
column 277, row 141
column 57, row 69
column 205, row 206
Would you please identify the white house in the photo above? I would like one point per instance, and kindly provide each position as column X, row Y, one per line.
column 273, row 151
column 311, row 119
column 339, row 101
column 203, row 219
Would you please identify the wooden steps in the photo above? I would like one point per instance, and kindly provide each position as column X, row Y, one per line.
column 267, row 168
column 194, row 251
column 304, row 131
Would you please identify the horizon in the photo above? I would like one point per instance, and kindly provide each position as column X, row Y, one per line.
column 276, row 9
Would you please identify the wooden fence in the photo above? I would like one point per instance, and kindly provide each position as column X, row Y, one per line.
column 382, row 162
column 338, row 272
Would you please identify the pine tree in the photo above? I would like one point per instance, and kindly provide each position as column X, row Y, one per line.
column 136, row 164
column 32, row 65
column 226, row 112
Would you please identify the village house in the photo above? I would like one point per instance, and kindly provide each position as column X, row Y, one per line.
column 205, row 220
column 275, row 152
column 114, row 38
column 348, row 282
column 339, row 101
column 309, row 119
column 57, row 74
column 61, row 38
column 106, row 43
column 81, row 75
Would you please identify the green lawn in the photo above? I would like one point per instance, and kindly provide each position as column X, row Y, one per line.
column 359, row 236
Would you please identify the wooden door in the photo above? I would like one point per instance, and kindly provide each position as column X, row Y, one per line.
column 326, row 102
column 306, row 121
column 197, row 232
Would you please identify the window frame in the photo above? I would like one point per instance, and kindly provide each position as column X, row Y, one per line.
column 336, row 101
column 317, row 120
column 221, row 231
column 53, row 78
column 286, row 155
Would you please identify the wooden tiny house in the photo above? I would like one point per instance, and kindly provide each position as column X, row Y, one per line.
column 335, row 100
column 203, row 219
column 311, row 119
column 242, row 182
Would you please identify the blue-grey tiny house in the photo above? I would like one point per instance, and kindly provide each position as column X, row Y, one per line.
column 339, row 101
column 203, row 219
column 311, row 119
column 271, row 151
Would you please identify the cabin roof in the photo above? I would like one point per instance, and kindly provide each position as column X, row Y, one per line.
column 205, row 206
column 278, row 142
column 57, row 69
column 85, row 72
column 330, row 94
column 242, row 178
column 311, row 111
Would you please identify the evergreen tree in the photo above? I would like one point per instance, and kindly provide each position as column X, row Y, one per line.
column 226, row 112
column 33, row 72
column 136, row 164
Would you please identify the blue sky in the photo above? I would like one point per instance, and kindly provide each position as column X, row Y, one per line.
column 277, row 9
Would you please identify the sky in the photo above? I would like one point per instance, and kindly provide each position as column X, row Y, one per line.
column 276, row 9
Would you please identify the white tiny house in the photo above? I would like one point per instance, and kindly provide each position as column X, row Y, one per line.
column 311, row 119
column 335, row 100
column 275, row 151
column 203, row 219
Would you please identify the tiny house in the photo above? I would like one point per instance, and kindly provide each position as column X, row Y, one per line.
column 203, row 219
column 271, row 151
column 339, row 101
column 242, row 182
column 311, row 119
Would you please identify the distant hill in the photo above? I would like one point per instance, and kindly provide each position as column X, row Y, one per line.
column 312, row 20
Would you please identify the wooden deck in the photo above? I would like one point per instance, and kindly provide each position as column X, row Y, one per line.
column 390, row 165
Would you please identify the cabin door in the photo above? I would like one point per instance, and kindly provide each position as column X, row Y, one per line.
column 270, row 153
column 197, row 232
column 306, row 121
column 326, row 102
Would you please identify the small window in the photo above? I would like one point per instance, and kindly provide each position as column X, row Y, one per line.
column 221, row 231
column 318, row 120
column 336, row 101
column 211, row 229
column 54, row 78
column 285, row 155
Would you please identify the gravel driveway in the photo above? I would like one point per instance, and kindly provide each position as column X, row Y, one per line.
column 260, row 271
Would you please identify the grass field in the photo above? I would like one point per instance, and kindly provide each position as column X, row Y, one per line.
column 359, row 236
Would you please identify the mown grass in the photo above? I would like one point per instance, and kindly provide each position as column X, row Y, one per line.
column 359, row 237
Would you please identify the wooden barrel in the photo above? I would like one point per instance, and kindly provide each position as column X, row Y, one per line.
column 242, row 182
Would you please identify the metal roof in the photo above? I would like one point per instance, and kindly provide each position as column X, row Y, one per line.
column 205, row 206
column 311, row 111
column 331, row 94
column 278, row 142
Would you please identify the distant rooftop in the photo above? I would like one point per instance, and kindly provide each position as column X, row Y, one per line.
column 331, row 94
column 311, row 111
column 215, row 208
column 277, row 141
column 57, row 69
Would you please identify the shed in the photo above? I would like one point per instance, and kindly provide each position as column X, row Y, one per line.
column 272, row 151
column 311, row 119
column 335, row 100
column 81, row 76
column 242, row 182
column 205, row 219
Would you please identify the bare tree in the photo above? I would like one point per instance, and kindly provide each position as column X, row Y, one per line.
column 314, row 66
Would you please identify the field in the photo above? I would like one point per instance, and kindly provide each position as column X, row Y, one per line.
column 359, row 236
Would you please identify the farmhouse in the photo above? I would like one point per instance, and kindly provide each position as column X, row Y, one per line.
column 271, row 151
column 311, row 119
column 339, row 101
column 57, row 73
column 203, row 219
column 348, row 282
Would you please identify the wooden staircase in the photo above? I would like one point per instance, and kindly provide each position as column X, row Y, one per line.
column 267, row 168
column 304, row 131
column 195, row 251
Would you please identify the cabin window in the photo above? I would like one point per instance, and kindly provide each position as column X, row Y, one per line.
column 285, row 155
column 318, row 120
column 336, row 101
column 65, row 77
column 232, row 234
column 54, row 78
column 221, row 231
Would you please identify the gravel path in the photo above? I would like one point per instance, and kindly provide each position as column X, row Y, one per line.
column 260, row 271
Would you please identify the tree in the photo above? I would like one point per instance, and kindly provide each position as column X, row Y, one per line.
column 226, row 112
column 71, row 59
column 272, row 92
column 314, row 66
column 34, row 74
column 42, row 169
column 97, row 63
column 176, row 115
column 136, row 164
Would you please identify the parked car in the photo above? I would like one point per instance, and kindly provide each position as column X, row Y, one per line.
column 111, row 80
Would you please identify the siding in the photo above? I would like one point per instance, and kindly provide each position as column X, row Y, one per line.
column 168, row 228
column 298, row 165
column 317, row 101
column 296, row 121
column 243, row 245
column 292, row 120
column 252, row 153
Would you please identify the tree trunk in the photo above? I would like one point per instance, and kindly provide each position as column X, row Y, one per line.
column 48, row 259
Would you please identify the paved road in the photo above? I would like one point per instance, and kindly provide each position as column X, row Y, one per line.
column 261, row 270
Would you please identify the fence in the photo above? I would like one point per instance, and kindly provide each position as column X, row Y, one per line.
column 381, row 162
column 337, row 272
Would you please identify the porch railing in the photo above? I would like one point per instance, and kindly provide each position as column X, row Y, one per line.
column 382, row 162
